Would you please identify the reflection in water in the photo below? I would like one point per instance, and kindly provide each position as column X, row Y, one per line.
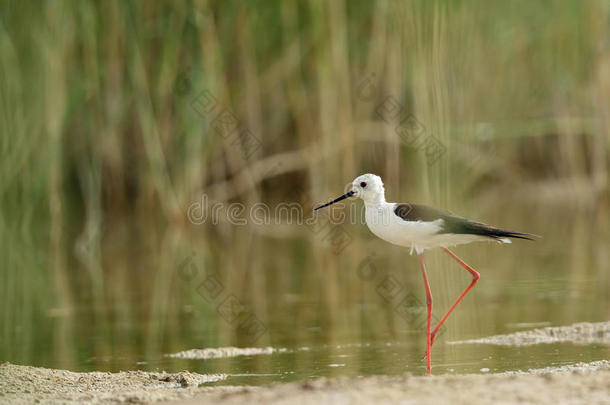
column 111, row 139
column 352, row 313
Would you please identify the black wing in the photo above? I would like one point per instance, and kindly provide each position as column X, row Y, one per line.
column 454, row 224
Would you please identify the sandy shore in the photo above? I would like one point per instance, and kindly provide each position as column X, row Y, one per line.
column 583, row 383
column 579, row 384
column 24, row 384
column 578, row 333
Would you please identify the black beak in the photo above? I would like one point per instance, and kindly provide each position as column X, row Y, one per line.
column 343, row 197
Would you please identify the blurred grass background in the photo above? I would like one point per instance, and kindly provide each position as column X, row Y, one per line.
column 102, row 152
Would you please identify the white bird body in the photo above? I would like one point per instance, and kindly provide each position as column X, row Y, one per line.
column 419, row 228
column 416, row 235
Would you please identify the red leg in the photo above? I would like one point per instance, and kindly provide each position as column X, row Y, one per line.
column 475, row 278
column 429, row 305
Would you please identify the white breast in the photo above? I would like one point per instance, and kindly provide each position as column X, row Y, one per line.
column 384, row 223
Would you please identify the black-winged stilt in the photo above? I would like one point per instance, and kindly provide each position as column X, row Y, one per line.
column 420, row 227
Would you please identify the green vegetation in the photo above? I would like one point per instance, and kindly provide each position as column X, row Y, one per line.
column 107, row 138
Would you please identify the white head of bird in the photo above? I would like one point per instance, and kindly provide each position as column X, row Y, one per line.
column 368, row 187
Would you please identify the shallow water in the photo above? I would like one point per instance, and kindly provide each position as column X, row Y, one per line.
column 347, row 314
column 358, row 360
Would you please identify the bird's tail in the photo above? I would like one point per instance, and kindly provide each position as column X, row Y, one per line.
column 458, row 225
column 497, row 233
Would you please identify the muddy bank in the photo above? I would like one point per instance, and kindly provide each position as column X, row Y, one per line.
column 23, row 384
column 579, row 333
column 585, row 383
column 223, row 352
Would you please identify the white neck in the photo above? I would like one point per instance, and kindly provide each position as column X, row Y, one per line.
column 376, row 200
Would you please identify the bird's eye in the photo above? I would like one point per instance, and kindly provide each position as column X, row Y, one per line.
column 363, row 184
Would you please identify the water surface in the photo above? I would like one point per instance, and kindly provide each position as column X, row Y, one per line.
column 358, row 312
